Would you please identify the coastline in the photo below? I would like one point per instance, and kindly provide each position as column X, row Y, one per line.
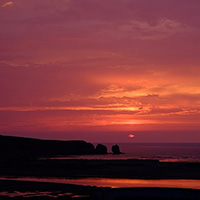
column 42, row 174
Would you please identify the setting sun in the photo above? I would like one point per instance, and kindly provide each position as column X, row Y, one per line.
column 131, row 136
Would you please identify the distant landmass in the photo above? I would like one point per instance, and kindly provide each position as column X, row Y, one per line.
column 13, row 146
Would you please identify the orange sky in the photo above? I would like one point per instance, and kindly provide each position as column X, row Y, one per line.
column 100, row 70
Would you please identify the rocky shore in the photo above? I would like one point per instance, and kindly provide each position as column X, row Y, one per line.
column 20, row 158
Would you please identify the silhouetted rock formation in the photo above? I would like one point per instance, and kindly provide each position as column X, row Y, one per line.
column 101, row 149
column 115, row 149
column 11, row 146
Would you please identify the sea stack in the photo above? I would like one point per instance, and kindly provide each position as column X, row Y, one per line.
column 115, row 149
column 101, row 149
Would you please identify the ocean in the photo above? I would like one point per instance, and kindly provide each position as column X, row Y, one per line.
column 165, row 152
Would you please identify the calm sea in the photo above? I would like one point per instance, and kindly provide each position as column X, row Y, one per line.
column 163, row 152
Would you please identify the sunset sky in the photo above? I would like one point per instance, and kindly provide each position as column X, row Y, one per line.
column 100, row 70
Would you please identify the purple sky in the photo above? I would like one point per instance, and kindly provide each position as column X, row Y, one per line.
column 100, row 69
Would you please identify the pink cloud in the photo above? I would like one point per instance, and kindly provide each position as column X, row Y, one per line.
column 9, row 3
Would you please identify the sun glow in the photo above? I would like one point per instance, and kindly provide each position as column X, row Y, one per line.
column 131, row 136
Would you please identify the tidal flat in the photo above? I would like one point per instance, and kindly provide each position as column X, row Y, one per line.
column 74, row 168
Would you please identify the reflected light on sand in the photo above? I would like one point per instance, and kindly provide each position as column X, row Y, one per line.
column 118, row 183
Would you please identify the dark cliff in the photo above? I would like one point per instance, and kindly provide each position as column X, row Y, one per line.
column 10, row 146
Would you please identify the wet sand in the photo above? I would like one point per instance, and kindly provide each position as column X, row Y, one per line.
column 116, row 182
column 48, row 191
column 132, row 169
column 38, row 190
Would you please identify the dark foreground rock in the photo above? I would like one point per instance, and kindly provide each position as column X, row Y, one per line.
column 146, row 194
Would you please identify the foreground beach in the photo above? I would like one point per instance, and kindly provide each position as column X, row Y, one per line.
column 47, row 191
column 72, row 168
